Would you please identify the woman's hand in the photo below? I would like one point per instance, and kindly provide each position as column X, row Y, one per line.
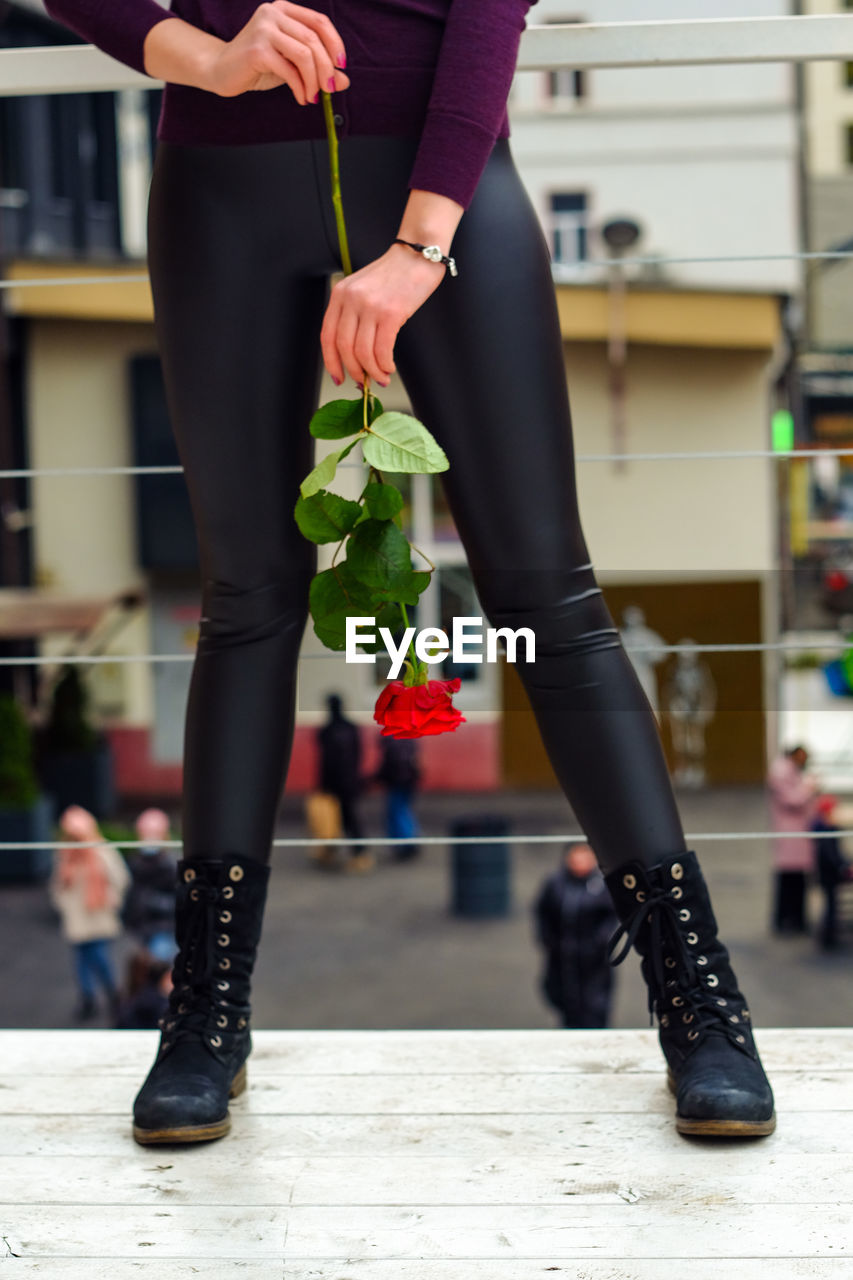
column 282, row 43
column 369, row 308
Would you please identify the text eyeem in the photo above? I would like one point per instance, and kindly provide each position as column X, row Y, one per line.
column 432, row 644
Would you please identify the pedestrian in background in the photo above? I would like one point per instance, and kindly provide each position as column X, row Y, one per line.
column 149, row 912
column 146, row 996
column 832, row 869
column 339, row 744
column 793, row 796
column 87, row 887
column 399, row 771
column 575, row 919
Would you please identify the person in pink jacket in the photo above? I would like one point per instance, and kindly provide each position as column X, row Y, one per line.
column 793, row 799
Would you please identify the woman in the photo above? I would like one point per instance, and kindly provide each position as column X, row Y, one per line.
column 793, row 800
column 87, row 888
column 241, row 246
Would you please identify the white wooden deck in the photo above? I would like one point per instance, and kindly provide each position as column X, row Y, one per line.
column 424, row 1156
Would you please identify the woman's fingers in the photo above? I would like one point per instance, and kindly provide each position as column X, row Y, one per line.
column 322, row 26
column 303, row 44
column 328, row 340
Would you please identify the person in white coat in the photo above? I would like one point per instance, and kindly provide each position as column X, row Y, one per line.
column 87, row 887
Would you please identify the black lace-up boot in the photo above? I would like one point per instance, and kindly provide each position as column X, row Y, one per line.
column 205, row 1037
column 704, row 1025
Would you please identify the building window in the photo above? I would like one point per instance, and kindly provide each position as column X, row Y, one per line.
column 568, row 227
column 564, row 84
column 849, row 136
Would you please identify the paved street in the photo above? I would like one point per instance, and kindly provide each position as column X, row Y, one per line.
column 383, row 950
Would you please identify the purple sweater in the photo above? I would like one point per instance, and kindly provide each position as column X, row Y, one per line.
column 437, row 70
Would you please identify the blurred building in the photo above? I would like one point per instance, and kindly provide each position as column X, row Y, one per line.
column 818, row 505
column 705, row 161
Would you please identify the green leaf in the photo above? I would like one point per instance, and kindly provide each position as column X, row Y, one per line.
column 334, row 596
column 324, row 471
column 325, row 516
column 398, row 442
column 378, row 554
column 383, row 501
column 337, row 419
column 404, row 590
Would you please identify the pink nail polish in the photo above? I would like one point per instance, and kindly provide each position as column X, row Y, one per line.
column 316, row 98
column 337, row 381
column 341, row 61
column 331, row 84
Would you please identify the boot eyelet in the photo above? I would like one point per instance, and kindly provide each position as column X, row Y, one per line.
column 225, row 963
column 225, row 917
column 242, row 1023
column 182, row 1008
column 641, row 897
column 216, row 1041
column 170, row 1026
column 223, row 985
column 692, row 1035
column 671, row 982
column 676, row 871
column 669, row 962
column 675, row 892
column 722, row 1002
column 741, row 1039
column 222, row 1022
column 228, row 892
column 236, row 873
column 664, row 1021
column 194, row 894
column 733, row 1017
column 712, row 980
column 165, row 1044
column 684, row 914
column 693, row 938
column 678, row 1001
column 687, row 1017
column 189, row 875
column 745, row 1015
column 629, row 881
column 189, row 968
column 702, row 960
column 223, row 940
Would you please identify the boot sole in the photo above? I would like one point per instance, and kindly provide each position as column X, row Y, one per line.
column 720, row 1128
column 193, row 1133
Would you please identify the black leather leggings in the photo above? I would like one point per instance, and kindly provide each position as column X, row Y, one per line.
column 241, row 245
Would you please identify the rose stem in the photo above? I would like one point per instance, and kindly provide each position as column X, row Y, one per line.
column 337, row 199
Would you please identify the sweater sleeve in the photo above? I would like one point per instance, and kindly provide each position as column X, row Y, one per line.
column 117, row 27
column 468, row 101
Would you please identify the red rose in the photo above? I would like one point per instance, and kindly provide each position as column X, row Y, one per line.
column 417, row 711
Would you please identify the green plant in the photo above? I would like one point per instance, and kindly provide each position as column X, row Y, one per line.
column 18, row 785
column 68, row 728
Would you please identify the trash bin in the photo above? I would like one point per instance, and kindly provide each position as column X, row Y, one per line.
column 481, row 872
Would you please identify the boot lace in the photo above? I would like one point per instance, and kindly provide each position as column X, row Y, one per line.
column 660, row 911
column 191, row 1001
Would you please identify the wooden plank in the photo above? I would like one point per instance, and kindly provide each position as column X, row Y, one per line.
column 362, row 1053
column 567, row 1137
column 434, row 1269
column 484, row 1094
column 233, row 1174
column 325, row 1234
